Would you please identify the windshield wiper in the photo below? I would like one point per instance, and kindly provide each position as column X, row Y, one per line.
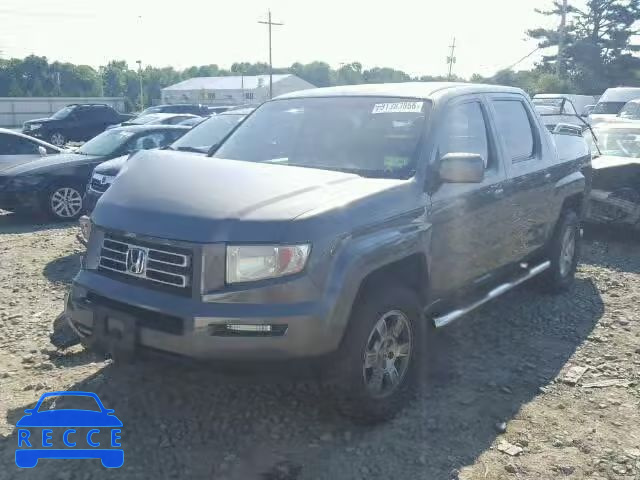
column 189, row 149
column 373, row 173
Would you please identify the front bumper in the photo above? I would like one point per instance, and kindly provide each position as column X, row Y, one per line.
column 604, row 207
column 39, row 133
column 121, row 320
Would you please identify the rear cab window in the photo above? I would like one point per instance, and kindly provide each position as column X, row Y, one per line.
column 512, row 117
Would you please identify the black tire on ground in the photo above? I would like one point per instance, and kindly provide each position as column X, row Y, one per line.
column 395, row 306
column 563, row 252
column 57, row 139
column 64, row 202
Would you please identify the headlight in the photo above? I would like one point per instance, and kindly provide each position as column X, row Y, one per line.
column 35, row 126
column 248, row 263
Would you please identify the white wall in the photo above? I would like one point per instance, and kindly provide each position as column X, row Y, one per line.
column 14, row 111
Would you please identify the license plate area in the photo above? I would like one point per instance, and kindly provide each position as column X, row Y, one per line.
column 115, row 333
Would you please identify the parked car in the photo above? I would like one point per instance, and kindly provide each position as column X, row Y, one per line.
column 615, row 198
column 340, row 224
column 194, row 109
column 54, row 185
column 192, row 122
column 16, row 147
column 75, row 122
column 159, row 119
column 611, row 102
column 198, row 140
column 559, row 110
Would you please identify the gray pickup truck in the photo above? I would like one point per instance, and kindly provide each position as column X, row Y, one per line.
column 345, row 224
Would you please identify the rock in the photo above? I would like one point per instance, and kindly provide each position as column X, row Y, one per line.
column 506, row 389
column 566, row 469
column 509, row 448
column 574, row 374
column 326, row 437
column 509, row 467
column 619, row 469
column 422, row 459
column 501, row 427
column 29, row 358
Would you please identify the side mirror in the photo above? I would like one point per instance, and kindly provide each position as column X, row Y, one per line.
column 42, row 151
column 461, row 168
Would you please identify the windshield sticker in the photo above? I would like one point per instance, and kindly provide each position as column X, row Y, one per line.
column 398, row 107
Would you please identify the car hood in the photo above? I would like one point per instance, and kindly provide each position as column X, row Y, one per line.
column 178, row 196
column 610, row 161
column 42, row 164
column 39, row 120
column 111, row 167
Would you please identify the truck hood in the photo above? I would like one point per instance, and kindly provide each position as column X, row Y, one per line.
column 175, row 195
column 610, row 161
column 42, row 164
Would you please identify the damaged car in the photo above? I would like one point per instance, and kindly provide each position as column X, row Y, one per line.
column 615, row 196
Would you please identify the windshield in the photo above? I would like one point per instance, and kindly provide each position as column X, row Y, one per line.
column 63, row 113
column 608, row 107
column 617, row 142
column 151, row 110
column 106, row 143
column 364, row 135
column 630, row 110
column 210, row 132
column 144, row 119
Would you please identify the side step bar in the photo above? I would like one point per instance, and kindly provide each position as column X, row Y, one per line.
column 446, row 319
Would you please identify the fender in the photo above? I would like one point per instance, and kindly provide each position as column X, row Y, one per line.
column 364, row 252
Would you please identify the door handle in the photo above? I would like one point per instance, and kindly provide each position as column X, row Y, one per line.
column 547, row 176
column 498, row 192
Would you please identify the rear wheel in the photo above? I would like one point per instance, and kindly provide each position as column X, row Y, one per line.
column 64, row 202
column 563, row 253
column 379, row 356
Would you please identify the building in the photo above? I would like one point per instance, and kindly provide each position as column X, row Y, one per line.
column 232, row 90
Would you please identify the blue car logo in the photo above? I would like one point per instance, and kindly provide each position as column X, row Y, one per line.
column 33, row 446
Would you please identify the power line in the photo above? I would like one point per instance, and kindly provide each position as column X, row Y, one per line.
column 521, row 60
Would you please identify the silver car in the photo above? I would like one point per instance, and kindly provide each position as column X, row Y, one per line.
column 17, row 147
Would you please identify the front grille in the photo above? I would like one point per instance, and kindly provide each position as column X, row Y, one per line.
column 100, row 183
column 161, row 265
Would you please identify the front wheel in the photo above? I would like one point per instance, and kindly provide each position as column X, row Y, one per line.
column 379, row 356
column 64, row 202
column 57, row 139
column 563, row 254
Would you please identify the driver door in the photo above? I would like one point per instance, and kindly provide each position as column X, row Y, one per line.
column 470, row 220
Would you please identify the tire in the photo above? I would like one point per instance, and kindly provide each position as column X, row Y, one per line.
column 563, row 252
column 57, row 139
column 64, row 202
column 384, row 332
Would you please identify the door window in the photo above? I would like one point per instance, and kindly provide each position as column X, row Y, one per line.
column 466, row 131
column 513, row 121
column 14, row 145
column 151, row 141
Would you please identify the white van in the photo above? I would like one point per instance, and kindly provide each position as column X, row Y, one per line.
column 612, row 102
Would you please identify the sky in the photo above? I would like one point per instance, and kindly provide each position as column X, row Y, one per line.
column 409, row 35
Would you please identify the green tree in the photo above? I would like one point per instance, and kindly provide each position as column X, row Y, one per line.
column 598, row 48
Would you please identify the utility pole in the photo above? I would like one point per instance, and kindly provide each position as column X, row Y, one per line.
column 270, row 23
column 560, row 70
column 451, row 59
column 139, row 62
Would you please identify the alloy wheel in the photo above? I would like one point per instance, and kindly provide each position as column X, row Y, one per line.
column 57, row 139
column 387, row 354
column 66, row 202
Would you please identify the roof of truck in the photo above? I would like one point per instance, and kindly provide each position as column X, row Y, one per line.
column 408, row 90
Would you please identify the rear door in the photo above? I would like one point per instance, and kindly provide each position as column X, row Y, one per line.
column 468, row 236
column 530, row 184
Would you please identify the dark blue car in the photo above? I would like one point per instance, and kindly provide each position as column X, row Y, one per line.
column 29, row 451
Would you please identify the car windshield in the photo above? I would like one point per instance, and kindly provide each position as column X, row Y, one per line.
column 608, row 107
column 106, row 143
column 62, row 113
column 630, row 110
column 151, row 110
column 369, row 136
column 617, row 142
column 208, row 133
column 144, row 119
column 69, row 402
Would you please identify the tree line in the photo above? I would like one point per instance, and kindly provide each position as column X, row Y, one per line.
column 594, row 51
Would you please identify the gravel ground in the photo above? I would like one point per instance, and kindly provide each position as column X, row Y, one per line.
column 504, row 409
